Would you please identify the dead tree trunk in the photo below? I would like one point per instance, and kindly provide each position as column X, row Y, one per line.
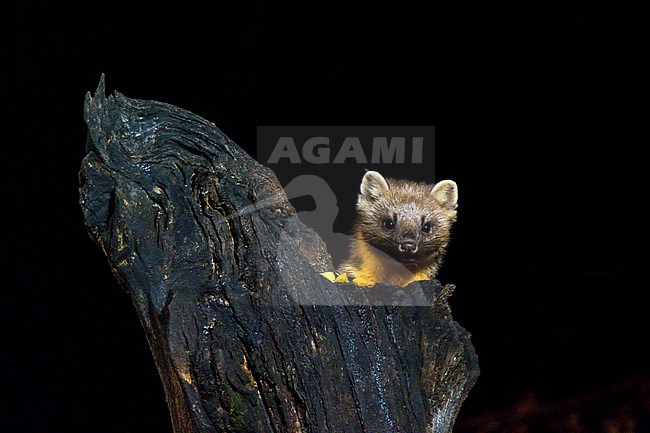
column 246, row 334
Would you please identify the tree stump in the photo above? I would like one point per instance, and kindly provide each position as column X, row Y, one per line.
column 247, row 335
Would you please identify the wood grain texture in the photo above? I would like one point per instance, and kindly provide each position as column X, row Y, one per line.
column 246, row 333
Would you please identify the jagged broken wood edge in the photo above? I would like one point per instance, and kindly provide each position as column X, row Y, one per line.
column 246, row 334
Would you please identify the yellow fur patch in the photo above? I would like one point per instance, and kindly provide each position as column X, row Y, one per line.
column 342, row 278
column 364, row 281
column 333, row 277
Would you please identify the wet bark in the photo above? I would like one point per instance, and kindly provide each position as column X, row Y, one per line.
column 246, row 333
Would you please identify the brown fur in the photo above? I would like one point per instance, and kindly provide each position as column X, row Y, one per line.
column 375, row 255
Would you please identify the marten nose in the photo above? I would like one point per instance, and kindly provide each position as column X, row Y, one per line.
column 408, row 247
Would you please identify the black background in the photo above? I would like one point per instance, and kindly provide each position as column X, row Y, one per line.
column 541, row 117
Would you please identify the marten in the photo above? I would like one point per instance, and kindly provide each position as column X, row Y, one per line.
column 401, row 230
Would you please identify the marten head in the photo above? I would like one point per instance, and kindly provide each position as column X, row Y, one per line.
column 409, row 221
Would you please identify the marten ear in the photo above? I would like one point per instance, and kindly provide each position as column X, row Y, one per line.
column 373, row 185
column 445, row 193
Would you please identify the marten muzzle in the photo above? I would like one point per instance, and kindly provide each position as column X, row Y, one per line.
column 409, row 247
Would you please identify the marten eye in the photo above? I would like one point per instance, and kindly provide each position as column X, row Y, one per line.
column 426, row 227
column 389, row 224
